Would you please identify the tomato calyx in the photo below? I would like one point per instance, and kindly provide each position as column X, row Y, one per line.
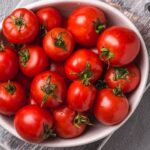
column 2, row 47
column 10, row 88
column 18, row 21
column 25, row 56
column 85, row 75
column 120, row 73
column 99, row 26
column 118, row 92
column 49, row 89
column 16, row 46
column 48, row 132
column 81, row 119
column 100, row 84
column 43, row 30
column 106, row 55
column 59, row 42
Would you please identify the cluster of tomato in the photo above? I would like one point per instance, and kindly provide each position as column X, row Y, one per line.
column 69, row 77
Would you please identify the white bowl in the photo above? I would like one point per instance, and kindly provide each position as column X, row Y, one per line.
column 98, row 131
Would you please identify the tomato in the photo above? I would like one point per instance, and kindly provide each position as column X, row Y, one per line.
column 33, row 60
column 118, row 46
column 8, row 63
column 48, row 89
column 83, row 64
column 58, row 43
column 12, row 98
column 49, row 18
column 80, row 97
column 86, row 23
column 33, row 123
column 21, row 26
column 69, row 123
column 23, row 80
column 127, row 78
column 111, row 106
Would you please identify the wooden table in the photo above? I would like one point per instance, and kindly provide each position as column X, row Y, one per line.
column 135, row 134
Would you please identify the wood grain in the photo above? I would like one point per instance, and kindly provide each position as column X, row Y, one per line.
column 135, row 134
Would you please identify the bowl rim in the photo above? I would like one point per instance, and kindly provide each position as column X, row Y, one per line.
column 144, row 79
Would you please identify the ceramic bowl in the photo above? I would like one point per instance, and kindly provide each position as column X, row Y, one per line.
column 98, row 131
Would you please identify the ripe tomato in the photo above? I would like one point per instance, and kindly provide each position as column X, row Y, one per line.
column 58, row 43
column 23, row 80
column 21, row 26
column 8, row 63
column 127, row 78
column 33, row 60
column 69, row 123
column 80, row 97
column 86, row 23
column 12, row 97
column 84, row 65
column 111, row 106
column 118, row 46
column 49, row 18
column 48, row 89
column 33, row 123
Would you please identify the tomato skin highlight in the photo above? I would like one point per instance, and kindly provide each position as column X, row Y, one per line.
column 78, row 61
column 82, row 22
column 80, row 97
column 36, row 62
column 58, row 44
column 21, row 26
column 65, row 128
column 31, row 121
column 110, row 109
column 38, row 93
column 49, row 17
column 8, row 64
column 120, row 44
column 128, row 83
column 10, row 103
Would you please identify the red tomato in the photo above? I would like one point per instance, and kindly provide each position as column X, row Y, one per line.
column 33, row 60
column 58, row 44
column 127, row 78
column 21, row 26
column 12, row 97
column 49, row 18
column 84, row 65
column 80, row 97
column 23, row 80
column 48, row 89
column 33, row 123
column 31, row 101
column 85, row 23
column 111, row 106
column 118, row 46
column 8, row 63
column 69, row 123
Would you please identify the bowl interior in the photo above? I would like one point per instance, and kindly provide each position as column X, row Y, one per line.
column 98, row 131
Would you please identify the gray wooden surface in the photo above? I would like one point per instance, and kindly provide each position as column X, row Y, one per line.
column 135, row 134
